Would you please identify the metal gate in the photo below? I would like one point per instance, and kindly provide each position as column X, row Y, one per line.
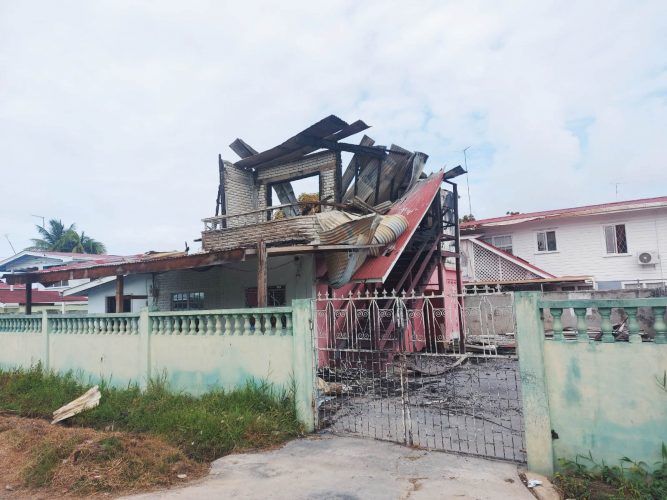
column 394, row 367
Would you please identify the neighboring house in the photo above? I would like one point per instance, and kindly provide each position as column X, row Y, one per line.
column 380, row 224
column 13, row 301
column 34, row 260
column 51, row 296
column 621, row 245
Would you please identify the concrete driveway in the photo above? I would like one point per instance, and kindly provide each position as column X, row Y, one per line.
column 340, row 468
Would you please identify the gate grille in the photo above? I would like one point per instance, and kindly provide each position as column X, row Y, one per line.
column 392, row 368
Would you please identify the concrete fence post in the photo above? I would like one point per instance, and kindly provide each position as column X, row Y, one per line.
column 534, row 396
column 144, row 348
column 45, row 341
column 303, row 362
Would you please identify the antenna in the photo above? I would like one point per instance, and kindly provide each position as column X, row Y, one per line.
column 616, row 184
column 465, row 162
column 10, row 243
column 39, row 217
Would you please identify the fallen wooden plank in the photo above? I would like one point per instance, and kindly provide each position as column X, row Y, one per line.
column 90, row 399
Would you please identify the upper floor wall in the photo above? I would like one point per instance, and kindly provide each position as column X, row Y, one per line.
column 578, row 246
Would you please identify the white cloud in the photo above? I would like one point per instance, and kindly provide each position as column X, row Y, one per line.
column 112, row 113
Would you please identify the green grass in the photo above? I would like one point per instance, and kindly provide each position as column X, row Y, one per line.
column 585, row 479
column 204, row 427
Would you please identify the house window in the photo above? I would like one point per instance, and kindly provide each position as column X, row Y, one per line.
column 615, row 238
column 503, row 242
column 111, row 305
column 546, row 241
column 184, row 301
column 275, row 296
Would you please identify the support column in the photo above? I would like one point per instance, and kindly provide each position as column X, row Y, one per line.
column 45, row 341
column 28, row 297
column 119, row 293
column 303, row 363
column 144, row 348
column 534, row 396
column 262, row 287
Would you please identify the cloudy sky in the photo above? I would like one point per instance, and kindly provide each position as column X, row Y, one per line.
column 112, row 114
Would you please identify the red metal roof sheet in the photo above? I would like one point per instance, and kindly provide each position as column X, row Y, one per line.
column 413, row 206
column 38, row 297
column 564, row 212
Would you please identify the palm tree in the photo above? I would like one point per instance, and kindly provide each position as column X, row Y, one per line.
column 57, row 238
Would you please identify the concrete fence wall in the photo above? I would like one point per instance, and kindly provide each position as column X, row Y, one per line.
column 195, row 350
column 598, row 397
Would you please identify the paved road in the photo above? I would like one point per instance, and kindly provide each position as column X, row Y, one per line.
column 341, row 468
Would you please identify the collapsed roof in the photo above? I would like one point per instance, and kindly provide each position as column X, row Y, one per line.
column 365, row 218
column 349, row 208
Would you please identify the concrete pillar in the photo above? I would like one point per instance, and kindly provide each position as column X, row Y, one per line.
column 303, row 367
column 144, row 348
column 45, row 341
column 534, row 396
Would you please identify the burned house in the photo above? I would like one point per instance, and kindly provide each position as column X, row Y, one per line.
column 378, row 222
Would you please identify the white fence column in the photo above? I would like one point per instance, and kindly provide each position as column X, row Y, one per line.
column 144, row 348
column 45, row 341
column 303, row 362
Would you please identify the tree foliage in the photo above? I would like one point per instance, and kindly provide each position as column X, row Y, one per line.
column 56, row 237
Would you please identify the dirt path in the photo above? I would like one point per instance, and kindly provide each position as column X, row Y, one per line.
column 326, row 467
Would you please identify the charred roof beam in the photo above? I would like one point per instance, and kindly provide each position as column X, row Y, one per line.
column 376, row 151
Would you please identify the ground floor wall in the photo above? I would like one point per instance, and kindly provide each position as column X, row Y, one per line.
column 223, row 287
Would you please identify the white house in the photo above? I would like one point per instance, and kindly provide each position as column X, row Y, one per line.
column 621, row 245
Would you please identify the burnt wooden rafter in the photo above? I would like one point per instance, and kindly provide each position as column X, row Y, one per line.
column 132, row 267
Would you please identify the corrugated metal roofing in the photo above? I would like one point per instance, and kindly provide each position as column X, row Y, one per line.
column 38, row 297
column 413, row 206
column 619, row 206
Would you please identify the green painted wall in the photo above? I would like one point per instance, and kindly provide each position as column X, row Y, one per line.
column 191, row 363
column 604, row 398
column 597, row 398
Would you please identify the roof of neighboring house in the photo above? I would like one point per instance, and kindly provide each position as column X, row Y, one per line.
column 86, row 287
column 17, row 296
column 560, row 279
column 26, row 255
column 604, row 208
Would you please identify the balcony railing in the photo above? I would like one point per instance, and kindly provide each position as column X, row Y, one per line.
column 267, row 214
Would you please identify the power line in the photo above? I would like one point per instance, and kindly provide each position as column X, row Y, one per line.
column 10, row 243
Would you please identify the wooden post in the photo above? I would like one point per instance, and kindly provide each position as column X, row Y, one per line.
column 28, row 297
column 119, row 293
column 262, row 287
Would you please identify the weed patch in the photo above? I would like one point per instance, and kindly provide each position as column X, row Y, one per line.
column 204, row 427
column 585, row 479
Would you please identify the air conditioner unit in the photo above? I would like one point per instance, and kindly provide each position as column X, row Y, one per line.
column 648, row 257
